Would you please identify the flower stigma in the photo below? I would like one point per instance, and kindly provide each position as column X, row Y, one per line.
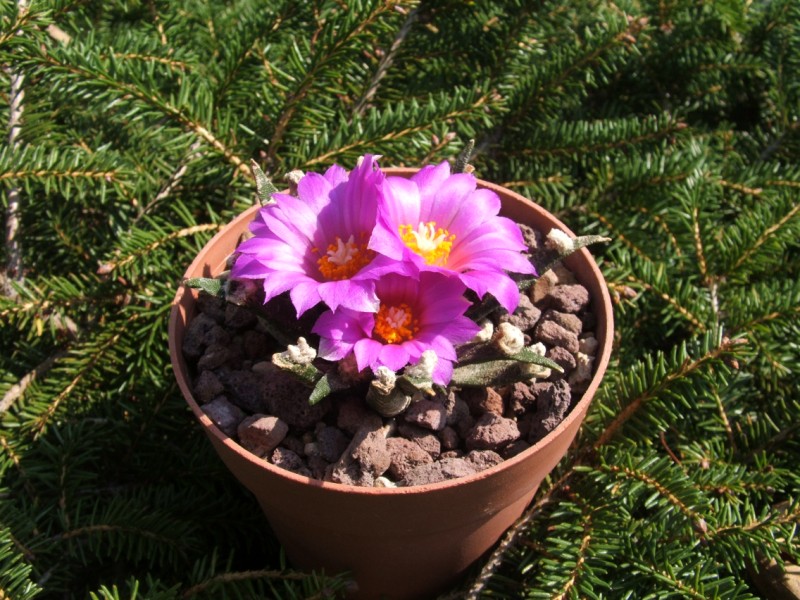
column 344, row 259
column 395, row 324
column 431, row 243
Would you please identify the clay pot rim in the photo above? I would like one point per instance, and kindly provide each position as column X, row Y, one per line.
column 602, row 306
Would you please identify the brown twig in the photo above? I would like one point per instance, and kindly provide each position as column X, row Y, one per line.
column 13, row 268
column 384, row 64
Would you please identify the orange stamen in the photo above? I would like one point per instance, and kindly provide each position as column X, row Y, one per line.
column 344, row 259
column 395, row 324
column 432, row 243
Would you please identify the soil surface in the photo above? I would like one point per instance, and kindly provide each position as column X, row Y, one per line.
column 343, row 440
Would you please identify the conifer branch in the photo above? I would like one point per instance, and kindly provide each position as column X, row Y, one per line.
column 366, row 143
column 766, row 234
column 385, row 63
column 156, row 102
column 659, row 487
column 42, row 173
column 586, row 526
column 13, row 271
column 687, row 368
column 173, row 181
column 107, row 267
column 664, row 576
column 40, row 422
column 683, row 310
column 617, row 234
column 309, row 79
column 229, row 577
column 18, row 389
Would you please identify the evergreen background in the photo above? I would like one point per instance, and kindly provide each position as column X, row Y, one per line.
column 669, row 125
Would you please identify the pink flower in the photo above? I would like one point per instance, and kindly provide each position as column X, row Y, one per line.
column 414, row 315
column 316, row 245
column 442, row 223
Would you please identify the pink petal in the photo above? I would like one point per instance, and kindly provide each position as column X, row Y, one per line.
column 500, row 285
column 449, row 200
column 430, row 178
column 367, row 352
column 304, row 295
column 394, row 356
column 347, row 293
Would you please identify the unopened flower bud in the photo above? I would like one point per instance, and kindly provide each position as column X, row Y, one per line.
column 385, row 379
column 559, row 241
column 486, row 332
column 423, row 369
column 301, row 354
column 509, row 339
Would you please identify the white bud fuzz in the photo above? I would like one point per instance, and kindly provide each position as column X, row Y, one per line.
column 423, row 369
column 509, row 339
column 559, row 241
column 486, row 332
column 301, row 354
column 385, row 377
column 294, row 177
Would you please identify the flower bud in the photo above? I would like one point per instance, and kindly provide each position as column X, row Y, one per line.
column 509, row 339
column 301, row 354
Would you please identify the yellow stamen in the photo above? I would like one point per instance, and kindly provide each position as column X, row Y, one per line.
column 431, row 243
column 395, row 324
column 344, row 259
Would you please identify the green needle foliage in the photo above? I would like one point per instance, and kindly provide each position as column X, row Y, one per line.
column 670, row 127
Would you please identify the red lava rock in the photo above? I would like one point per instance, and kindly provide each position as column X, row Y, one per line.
column 353, row 414
column 211, row 306
column 318, row 466
column 405, row 456
column 428, row 414
column 544, row 284
column 442, row 470
column 520, row 397
column 239, row 317
column 261, row 434
column 449, row 438
column 514, row 448
column 525, row 316
column 332, row 442
column 483, row 459
column 207, row 386
column 532, row 238
column 291, row 461
column 563, row 358
column 553, row 334
column 224, row 414
column 456, row 408
column 287, row 398
column 365, row 459
column 246, row 390
column 552, row 403
column 491, row 432
column 254, row 344
column 483, row 400
column 568, row 298
column 217, row 335
column 194, row 339
column 422, row 437
column 214, row 357
column 568, row 321
column 294, row 444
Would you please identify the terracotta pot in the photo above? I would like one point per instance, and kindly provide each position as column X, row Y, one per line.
column 396, row 542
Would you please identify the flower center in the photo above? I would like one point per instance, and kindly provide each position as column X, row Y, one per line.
column 395, row 324
column 344, row 259
column 430, row 242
